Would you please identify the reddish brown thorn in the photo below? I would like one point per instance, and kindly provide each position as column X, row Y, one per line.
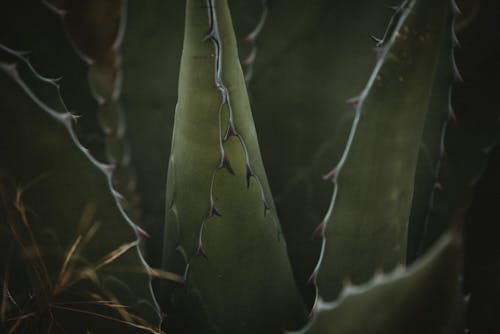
column 227, row 165
column 141, row 232
column 354, row 101
column 318, row 231
column 249, row 39
column 249, row 174
column 347, row 283
column 456, row 73
column 331, row 175
column 452, row 117
column 214, row 212
column 230, row 132
column 201, row 251
column 11, row 68
column 266, row 207
column 108, row 168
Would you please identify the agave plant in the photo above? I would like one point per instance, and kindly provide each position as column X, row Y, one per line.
column 371, row 155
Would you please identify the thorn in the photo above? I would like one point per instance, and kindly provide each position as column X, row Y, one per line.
column 213, row 212
column 452, row 117
column 201, row 251
column 331, row 175
column 141, row 232
column 226, row 164
column 108, row 168
column 393, row 8
column 209, row 36
column 118, row 195
column 347, row 283
column 457, row 76
column 456, row 73
column 249, row 39
column 230, row 131
column 354, row 101
column 266, row 207
column 438, row 185
column 318, row 231
column 456, row 10
column 456, row 42
column 312, row 278
column 11, row 68
column 376, row 40
column 68, row 118
column 249, row 174
column 75, row 117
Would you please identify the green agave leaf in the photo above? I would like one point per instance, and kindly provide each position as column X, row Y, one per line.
column 222, row 227
column 373, row 180
column 71, row 256
column 306, row 67
column 425, row 298
column 432, row 155
column 152, row 48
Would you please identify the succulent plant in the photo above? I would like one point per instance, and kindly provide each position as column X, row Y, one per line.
column 371, row 164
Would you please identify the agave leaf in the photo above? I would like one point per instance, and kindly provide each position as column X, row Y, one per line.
column 222, row 227
column 425, row 298
column 432, row 156
column 373, row 180
column 152, row 48
column 62, row 221
column 306, row 67
column 461, row 148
